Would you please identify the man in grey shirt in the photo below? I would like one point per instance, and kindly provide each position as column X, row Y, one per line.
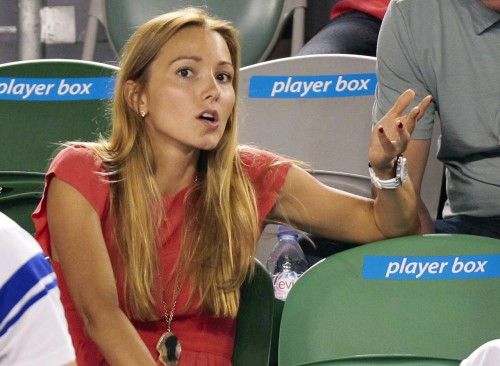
column 451, row 50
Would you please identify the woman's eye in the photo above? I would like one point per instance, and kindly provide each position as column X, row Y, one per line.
column 184, row 72
column 224, row 77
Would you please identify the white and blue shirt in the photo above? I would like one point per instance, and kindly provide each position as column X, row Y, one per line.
column 33, row 329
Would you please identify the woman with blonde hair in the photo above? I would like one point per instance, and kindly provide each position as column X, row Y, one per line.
column 153, row 230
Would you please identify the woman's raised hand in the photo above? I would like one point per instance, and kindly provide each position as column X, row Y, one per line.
column 390, row 136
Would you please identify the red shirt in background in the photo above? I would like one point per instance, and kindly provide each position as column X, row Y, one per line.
column 376, row 8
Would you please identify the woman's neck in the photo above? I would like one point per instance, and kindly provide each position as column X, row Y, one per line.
column 175, row 169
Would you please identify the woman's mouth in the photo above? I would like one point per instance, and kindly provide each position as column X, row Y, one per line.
column 209, row 118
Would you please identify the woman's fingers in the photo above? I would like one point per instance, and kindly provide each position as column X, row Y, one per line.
column 395, row 142
column 402, row 102
column 385, row 142
column 423, row 105
column 416, row 113
column 411, row 119
column 404, row 132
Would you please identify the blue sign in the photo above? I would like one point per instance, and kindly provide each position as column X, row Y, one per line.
column 312, row 86
column 432, row 267
column 50, row 89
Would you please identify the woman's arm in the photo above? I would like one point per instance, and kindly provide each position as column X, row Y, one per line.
column 316, row 208
column 78, row 244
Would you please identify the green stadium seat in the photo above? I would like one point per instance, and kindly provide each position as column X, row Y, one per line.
column 257, row 322
column 44, row 103
column 376, row 305
column 259, row 22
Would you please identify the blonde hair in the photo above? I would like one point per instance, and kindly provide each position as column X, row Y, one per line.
column 221, row 225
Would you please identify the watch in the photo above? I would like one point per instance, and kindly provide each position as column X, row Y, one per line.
column 401, row 175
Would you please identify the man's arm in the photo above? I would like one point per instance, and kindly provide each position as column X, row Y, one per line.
column 417, row 153
column 399, row 68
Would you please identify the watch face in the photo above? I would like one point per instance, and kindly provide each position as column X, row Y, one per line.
column 402, row 169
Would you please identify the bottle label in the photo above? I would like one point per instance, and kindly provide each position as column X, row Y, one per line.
column 282, row 283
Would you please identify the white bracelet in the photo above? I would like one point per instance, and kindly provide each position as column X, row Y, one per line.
column 401, row 175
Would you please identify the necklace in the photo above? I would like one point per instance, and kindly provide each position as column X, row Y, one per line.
column 169, row 346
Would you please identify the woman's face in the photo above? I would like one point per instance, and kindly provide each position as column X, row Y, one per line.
column 189, row 95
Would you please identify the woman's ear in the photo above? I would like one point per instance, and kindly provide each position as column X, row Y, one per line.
column 135, row 98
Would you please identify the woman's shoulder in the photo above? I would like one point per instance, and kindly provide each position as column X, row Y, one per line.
column 80, row 167
column 257, row 158
column 263, row 166
column 78, row 153
column 73, row 157
column 267, row 172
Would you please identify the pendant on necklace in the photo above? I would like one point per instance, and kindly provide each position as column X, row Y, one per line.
column 169, row 349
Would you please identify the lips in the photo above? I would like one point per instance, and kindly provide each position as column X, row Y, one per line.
column 209, row 116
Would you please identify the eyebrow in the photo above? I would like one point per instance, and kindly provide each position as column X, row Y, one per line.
column 198, row 59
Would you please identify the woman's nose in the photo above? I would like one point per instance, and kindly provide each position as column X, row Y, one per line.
column 211, row 88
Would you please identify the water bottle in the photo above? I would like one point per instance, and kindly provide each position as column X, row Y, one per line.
column 286, row 262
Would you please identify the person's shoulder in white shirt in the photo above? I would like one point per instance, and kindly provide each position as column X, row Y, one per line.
column 487, row 354
column 33, row 328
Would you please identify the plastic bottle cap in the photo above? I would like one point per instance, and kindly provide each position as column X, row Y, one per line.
column 286, row 230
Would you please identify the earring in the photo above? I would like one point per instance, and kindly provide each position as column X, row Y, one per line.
column 142, row 114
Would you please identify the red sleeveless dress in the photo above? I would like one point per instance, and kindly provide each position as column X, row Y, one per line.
column 206, row 341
